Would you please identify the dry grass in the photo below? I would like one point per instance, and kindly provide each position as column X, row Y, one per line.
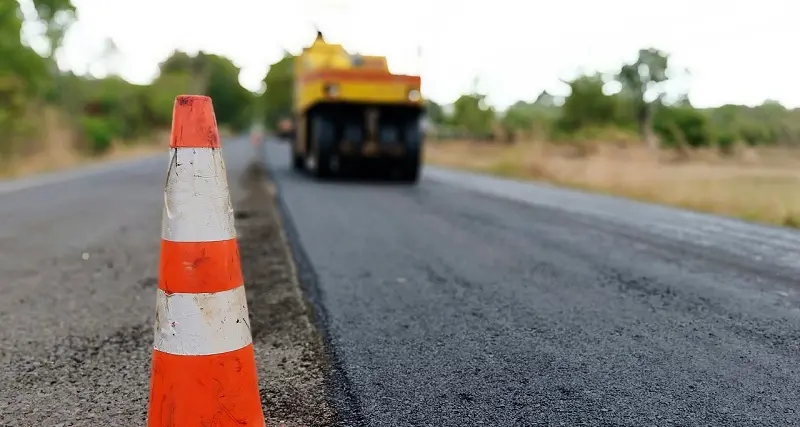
column 754, row 185
column 56, row 150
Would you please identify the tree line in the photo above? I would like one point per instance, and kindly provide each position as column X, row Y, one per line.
column 101, row 111
column 640, row 110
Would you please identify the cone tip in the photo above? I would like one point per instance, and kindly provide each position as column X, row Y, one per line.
column 182, row 100
column 193, row 123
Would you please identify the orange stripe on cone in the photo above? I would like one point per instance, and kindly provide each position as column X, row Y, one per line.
column 219, row 390
column 196, row 267
column 204, row 367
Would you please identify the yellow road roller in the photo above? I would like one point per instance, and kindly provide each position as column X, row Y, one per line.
column 351, row 112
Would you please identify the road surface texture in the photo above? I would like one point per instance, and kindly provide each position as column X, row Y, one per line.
column 77, row 297
column 473, row 301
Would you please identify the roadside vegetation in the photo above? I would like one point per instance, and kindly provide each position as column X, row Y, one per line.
column 50, row 119
column 624, row 134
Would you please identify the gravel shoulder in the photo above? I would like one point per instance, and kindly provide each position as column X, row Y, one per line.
column 291, row 357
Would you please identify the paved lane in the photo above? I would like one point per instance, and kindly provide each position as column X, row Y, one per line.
column 470, row 300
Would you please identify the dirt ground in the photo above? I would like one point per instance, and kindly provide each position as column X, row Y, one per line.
column 289, row 350
column 754, row 184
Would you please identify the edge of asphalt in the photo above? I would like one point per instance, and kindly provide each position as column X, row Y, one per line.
column 37, row 180
column 345, row 401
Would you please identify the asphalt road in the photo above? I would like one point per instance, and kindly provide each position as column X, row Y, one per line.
column 475, row 301
column 76, row 335
column 466, row 300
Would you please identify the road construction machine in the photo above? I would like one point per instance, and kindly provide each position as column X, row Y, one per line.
column 350, row 111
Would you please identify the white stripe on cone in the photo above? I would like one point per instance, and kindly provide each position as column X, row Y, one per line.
column 197, row 205
column 202, row 324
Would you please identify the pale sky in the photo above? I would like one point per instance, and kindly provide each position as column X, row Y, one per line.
column 738, row 51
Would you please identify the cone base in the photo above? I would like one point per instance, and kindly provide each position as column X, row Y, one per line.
column 219, row 390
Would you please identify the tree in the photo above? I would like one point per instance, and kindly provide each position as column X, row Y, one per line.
column 681, row 125
column 641, row 80
column 23, row 75
column 177, row 62
column 587, row 105
column 210, row 75
column 519, row 118
column 195, row 68
column 471, row 114
column 531, row 119
column 545, row 99
column 57, row 16
column 434, row 112
column 277, row 98
column 19, row 62
column 232, row 102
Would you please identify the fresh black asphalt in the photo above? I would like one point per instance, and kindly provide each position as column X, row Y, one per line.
column 470, row 300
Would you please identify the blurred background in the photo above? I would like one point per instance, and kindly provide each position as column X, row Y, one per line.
column 691, row 103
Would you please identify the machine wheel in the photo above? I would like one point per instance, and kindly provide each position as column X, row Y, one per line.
column 410, row 165
column 352, row 165
column 297, row 159
column 409, row 168
column 322, row 141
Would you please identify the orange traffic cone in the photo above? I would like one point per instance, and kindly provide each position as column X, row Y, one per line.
column 204, row 371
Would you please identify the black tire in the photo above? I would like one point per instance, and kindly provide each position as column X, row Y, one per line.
column 410, row 168
column 411, row 163
column 322, row 161
column 413, row 135
column 323, row 136
column 297, row 159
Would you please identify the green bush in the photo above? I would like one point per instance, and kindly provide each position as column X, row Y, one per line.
column 587, row 105
column 99, row 133
column 725, row 142
column 682, row 125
